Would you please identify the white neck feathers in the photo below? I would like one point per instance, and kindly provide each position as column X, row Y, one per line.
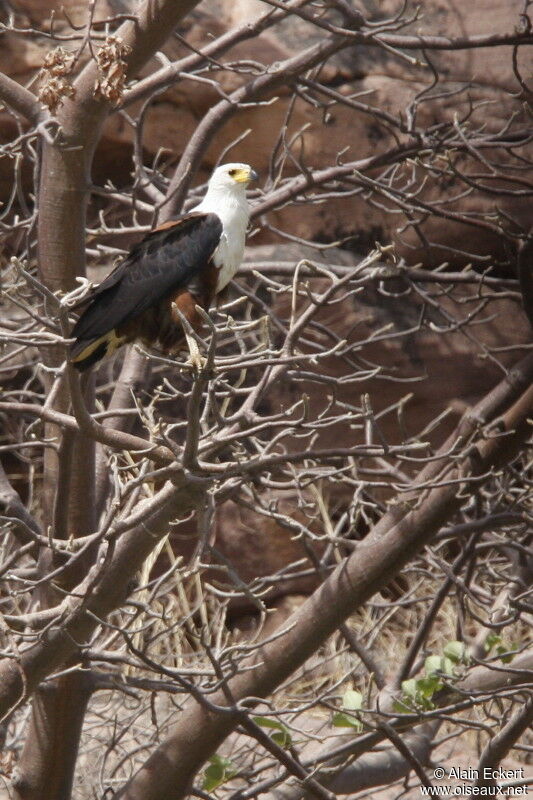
column 226, row 204
column 231, row 207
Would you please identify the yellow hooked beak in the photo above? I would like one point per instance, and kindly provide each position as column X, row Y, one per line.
column 244, row 175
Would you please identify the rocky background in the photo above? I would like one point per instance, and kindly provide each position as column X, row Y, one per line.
column 453, row 371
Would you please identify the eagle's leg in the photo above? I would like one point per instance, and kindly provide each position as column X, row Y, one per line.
column 196, row 359
column 184, row 314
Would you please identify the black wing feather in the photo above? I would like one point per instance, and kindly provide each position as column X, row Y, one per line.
column 165, row 260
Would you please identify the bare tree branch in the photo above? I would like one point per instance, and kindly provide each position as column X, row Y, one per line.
column 373, row 565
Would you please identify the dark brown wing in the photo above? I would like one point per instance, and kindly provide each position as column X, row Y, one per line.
column 168, row 259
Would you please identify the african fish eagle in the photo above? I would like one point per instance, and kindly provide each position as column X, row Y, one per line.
column 182, row 264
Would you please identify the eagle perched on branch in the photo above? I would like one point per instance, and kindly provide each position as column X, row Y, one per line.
column 180, row 265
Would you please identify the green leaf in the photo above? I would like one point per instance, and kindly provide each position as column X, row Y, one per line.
column 491, row 640
column 494, row 640
column 282, row 734
column 417, row 693
column 439, row 665
column 426, row 687
column 456, row 652
column 341, row 720
column 409, row 688
column 401, row 708
column 433, row 664
column 352, row 700
column 219, row 771
column 268, row 722
column 505, row 648
column 283, row 738
column 448, row 667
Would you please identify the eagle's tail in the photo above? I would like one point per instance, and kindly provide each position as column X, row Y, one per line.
column 86, row 352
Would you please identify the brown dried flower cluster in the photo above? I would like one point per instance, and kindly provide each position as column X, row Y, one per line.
column 112, row 68
column 55, row 85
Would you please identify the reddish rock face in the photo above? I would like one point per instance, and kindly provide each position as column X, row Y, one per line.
column 37, row 12
column 448, row 368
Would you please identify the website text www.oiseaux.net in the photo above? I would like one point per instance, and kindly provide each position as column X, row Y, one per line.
column 515, row 783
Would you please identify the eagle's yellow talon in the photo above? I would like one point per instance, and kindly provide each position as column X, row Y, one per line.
column 197, row 362
column 196, row 359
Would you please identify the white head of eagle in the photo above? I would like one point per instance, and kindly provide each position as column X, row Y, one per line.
column 181, row 264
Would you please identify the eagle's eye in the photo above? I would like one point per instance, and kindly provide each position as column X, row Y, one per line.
column 233, row 172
